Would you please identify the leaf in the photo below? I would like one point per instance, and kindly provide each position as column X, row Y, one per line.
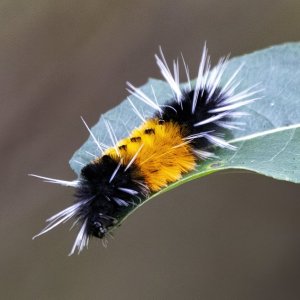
column 269, row 144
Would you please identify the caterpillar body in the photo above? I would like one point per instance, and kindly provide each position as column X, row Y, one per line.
column 158, row 152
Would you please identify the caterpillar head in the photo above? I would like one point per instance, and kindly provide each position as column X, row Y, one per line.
column 104, row 193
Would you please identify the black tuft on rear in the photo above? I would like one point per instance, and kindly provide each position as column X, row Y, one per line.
column 181, row 113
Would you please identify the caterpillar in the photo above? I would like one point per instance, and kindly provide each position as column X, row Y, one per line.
column 180, row 134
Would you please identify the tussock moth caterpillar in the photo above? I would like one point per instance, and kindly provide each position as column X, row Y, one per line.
column 158, row 152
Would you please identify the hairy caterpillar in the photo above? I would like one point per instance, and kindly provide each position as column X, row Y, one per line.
column 158, row 152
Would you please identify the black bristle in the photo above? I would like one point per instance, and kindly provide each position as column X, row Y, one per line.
column 181, row 113
column 98, row 194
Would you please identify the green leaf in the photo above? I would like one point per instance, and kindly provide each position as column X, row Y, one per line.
column 269, row 144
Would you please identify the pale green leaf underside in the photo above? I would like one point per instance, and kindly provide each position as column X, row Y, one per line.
column 269, row 144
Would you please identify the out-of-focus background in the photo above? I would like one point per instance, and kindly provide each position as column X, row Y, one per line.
column 227, row 236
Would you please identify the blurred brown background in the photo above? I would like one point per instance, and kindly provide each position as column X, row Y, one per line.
column 233, row 236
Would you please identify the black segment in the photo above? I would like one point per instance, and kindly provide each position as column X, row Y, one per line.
column 181, row 113
column 97, row 194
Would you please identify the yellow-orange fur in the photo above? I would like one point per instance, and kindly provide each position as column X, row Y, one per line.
column 164, row 155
